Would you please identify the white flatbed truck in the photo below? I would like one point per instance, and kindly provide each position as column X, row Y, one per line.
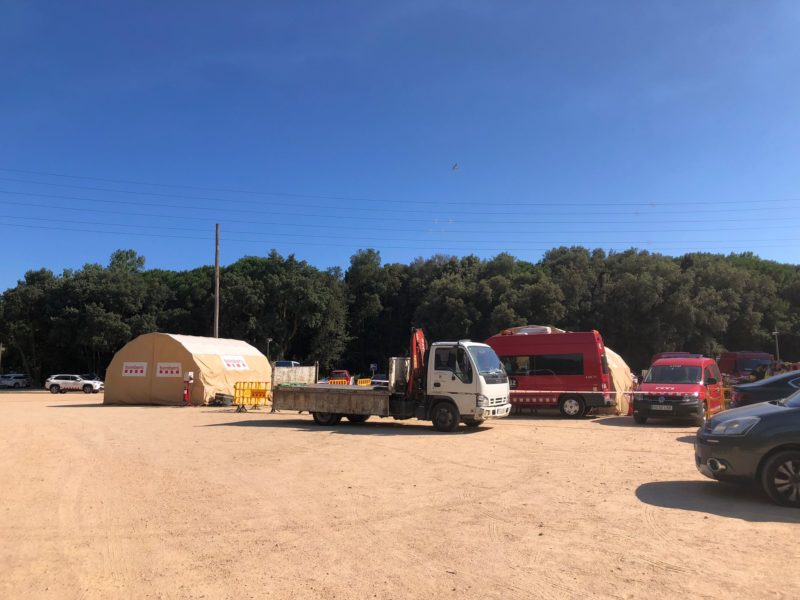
column 448, row 384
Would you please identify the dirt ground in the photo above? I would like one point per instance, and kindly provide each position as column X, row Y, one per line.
column 135, row 502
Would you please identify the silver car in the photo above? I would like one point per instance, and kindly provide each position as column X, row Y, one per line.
column 15, row 380
column 61, row 384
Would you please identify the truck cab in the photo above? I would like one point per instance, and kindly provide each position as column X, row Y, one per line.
column 465, row 382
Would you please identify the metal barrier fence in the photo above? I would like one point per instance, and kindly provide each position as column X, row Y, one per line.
column 251, row 394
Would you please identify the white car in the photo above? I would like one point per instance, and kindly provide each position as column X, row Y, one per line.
column 72, row 383
column 15, row 380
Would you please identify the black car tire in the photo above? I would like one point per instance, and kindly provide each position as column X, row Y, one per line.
column 639, row 419
column 780, row 478
column 54, row 389
column 87, row 389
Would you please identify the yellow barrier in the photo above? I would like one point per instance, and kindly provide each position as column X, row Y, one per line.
column 364, row 382
column 338, row 382
column 251, row 393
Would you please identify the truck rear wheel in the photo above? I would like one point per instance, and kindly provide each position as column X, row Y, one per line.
column 328, row 419
column 445, row 417
column 357, row 418
column 572, row 407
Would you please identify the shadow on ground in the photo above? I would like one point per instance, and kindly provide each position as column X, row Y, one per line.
column 686, row 439
column 345, row 428
column 656, row 423
column 725, row 500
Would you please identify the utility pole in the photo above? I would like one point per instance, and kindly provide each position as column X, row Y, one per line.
column 216, row 285
column 777, row 350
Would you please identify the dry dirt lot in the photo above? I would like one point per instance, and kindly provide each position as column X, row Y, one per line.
column 134, row 502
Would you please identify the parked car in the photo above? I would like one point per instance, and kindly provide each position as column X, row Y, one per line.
column 339, row 374
column 772, row 388
column 287, row 363
column 758, row 443
column 15, row 380
column 740, row 367
column 72, row 383
column 380, row 379
column 681, row 387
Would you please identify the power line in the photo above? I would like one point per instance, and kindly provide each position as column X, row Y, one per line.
column 465, row 241
column 354, row 244
column 430, row 220
column 559, row 202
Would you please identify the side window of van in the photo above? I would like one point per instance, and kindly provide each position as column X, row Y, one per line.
column 516, row 365
column 558, row 364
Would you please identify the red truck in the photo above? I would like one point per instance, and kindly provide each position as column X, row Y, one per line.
column 740, row 366
column 567, row 370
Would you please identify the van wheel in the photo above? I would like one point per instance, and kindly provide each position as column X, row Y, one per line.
column 357, row 418
column 327, row 419
column 445, row 417
column 54, row 389
column 702, row 415
column 572, row 407
column 780, row 478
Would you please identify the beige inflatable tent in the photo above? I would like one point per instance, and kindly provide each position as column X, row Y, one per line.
column 621, row 380
column 151, row 369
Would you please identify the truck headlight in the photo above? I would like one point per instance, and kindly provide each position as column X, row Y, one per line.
column 690, row 397
column 482, row 400
column 740, row 426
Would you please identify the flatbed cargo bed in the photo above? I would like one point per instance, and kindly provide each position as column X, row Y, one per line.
column 336, row 399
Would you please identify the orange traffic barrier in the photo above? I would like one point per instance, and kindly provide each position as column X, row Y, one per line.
column 364, row 382
column 338, row 382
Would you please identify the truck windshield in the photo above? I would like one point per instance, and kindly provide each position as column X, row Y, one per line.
column 486, row 360
column 750, row 364
column 673, row 374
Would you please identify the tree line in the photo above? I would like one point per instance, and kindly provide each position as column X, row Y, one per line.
column 642, row 303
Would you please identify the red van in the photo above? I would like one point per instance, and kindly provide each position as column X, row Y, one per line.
column 681, row 387
column 563, row 369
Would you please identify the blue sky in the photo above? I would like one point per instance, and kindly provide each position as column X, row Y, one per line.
column 319, row 128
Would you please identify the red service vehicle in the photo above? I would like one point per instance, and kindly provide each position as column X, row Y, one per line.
column 673, row 355
column 338, row 374
column 687, row 387
column 555, row 369
column 739, row 366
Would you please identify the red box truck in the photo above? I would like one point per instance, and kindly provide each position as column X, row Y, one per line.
column 555, row 369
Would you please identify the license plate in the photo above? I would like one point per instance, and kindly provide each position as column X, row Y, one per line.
column 660, row 407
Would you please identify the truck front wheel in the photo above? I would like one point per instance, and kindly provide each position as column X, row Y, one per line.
column 445, row 417
column 328, row 419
